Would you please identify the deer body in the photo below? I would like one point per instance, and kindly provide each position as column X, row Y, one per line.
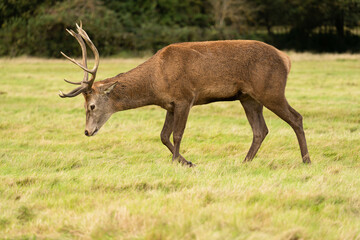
column 182, row 75
column 203, row 72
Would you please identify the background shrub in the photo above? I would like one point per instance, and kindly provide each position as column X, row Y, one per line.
column 37, row 28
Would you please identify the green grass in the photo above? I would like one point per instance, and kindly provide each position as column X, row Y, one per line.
column 55, row 183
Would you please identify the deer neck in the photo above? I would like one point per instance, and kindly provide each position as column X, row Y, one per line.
column 133, row 89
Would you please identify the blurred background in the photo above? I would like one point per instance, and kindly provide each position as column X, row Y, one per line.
column 135, row 28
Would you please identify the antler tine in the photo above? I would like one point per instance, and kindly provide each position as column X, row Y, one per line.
column 73, row 93
column 84, row 35
column 75, row 83
column 74, row 61
column 84, row 54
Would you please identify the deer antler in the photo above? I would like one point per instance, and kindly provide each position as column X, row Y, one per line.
column 85, row 83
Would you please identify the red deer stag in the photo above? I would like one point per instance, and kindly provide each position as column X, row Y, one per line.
column 182, row 75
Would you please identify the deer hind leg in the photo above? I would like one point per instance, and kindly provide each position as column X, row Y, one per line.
column 282, row 109
column 254, row 114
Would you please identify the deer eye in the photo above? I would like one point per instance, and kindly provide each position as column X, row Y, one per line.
column 92, row 106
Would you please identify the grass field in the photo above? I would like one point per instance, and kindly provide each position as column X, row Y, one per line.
column 55, row 183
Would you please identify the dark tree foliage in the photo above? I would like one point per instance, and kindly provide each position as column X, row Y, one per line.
column 37, row 27
column 271, row 13
column 12, row 9
column 322, row 25
column 162, row 12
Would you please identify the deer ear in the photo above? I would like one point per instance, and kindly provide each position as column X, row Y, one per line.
column 108, row 88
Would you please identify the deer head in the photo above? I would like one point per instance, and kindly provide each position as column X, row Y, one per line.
column 97, row 103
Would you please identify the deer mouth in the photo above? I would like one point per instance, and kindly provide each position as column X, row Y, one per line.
column 91, row 134
column 95, row 132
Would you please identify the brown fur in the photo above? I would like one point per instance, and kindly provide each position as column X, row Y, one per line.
column 185, row 74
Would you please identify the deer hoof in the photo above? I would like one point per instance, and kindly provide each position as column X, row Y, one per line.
column 246, row 160
column 190, row 164
column 186, row 163
column 306, row 159
column 183, row 161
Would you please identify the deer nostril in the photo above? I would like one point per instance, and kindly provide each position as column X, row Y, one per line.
column 86, row 133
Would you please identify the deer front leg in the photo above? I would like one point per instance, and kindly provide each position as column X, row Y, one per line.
column 181, row 113
column 166, row 132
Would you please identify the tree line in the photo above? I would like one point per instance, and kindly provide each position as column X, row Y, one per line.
column 37, row 27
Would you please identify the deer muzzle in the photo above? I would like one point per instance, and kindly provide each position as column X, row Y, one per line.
column 93, row 133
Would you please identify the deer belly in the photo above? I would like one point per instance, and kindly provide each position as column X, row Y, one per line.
column 221, row 94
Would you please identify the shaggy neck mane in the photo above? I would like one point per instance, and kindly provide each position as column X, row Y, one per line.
column 132, row 88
